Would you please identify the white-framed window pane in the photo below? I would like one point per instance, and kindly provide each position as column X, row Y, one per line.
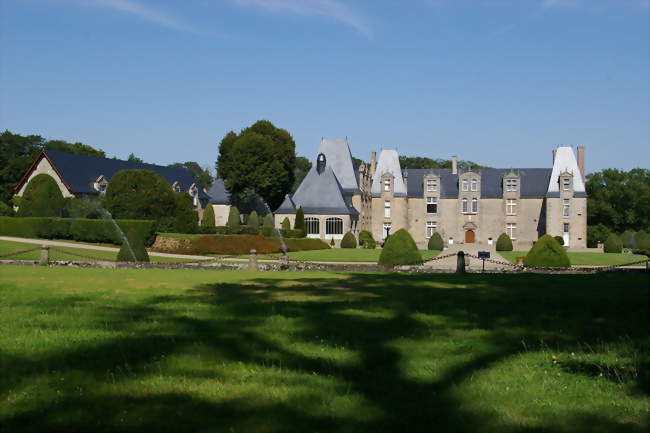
column 431, row 228
column 474, row 184
column 474, row 205
column 386, row 209
column 566, row 184
column 431, row 185
column 566, row 207
column 312, row 225
column 511, row 207
column 511, row 230
column 566, row 227
column 334, row 226
column 464, row 208
column 386, row 184
column 432, row 205
column 387, row 227
column 465, row 185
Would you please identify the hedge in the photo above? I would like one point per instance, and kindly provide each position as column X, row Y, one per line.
column 366, row 240
column 79, row 229
column 400, row 249
column 547, row 253
column 6, row 210
column 613, row 244
column 348, row 241
column 504, row 243
column 435, row 242
column 42, row 198
column 305, row 244
column 133, row 250
column 243, row 244
column 559, row 239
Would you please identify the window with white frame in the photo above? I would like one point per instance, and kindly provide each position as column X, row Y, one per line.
column 511, row 230
column 431, row 228
column 566, row 184
column 432, row 205
column 313, row 226
column 334, row 226
column 511, row 206
column 511, row 184
column 464, row 208
column 387, row 227
column 474, row 205
column 474, row 184
column 386, row 209
column 465, row 185
column 386, row 184
column 566, row 228
column 566, row 211
column 432, row 185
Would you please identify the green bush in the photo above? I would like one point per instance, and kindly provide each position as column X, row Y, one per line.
column 299, row 224
column 223, row 230
column 400, row 249
column 286, row 224
column 268, row 228
column 234, row 219
column 186, row 220
column 642, row 240
column 597, row 234
column 139, row 194
column 613, row 244
column 208, row 220
column 348, row 241
column 253, row 220
column 82, row 208
column 6, row 210
column 547, row 253
column 627, row 238
column 559, row 239
column 249, row 230
column 41, row 198
column 292, row 233
column 504, row 243
column 435, row 242
column 305, row 244
column 369, row 244
column 133, row 250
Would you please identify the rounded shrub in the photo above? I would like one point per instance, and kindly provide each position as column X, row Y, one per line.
column 400, row 249
column 286, row 224
column 186, row 220
column 366, row 237
column 435, row 242
column 234, row 219
column 613, row 244
column 139, row 194
column 348, row 241
column 42, row 198
column 253, row 220
column 208, row 221
column 559, row 239
column 504, row 243
column 268, row 227
column 547, row 253
column 134, row 250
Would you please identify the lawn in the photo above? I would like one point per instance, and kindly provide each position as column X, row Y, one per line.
column 178, row 350
column 586, row 259
column 59, row 253
column 343, row 255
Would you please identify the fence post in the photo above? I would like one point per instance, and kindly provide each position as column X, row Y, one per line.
column 460, row 263
column 252, row 261
column 45, row 255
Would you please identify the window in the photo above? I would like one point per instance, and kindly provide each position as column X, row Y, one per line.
column 386, row 184
column 432, row 205
column 511, row 230
column 464, row 208
column 313, row 226
column 431, row 228
column 566, row 184
column 432, row 185
column 334, row 226
column 565, row 207
column 474, row 184
column 176, row 187
column 387, row 227
column 474, row 205
column 566, row 228
column 511, row 184
column 386, row 209
column 465, row 185
column 511, row 206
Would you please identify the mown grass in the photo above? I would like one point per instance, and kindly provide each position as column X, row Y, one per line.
column 60, row 253
column 584, row 259
column 343, row 255
column 166, row 350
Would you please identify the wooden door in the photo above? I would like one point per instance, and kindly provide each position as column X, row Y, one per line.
column 469, row 237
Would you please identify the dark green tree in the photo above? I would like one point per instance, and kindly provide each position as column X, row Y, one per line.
column 299, row 223
column 208, row 217
column 400, row 249
column 302, row 167
column 76, row 148
column 253, row 220
column 139, row 194
column 597, row 234
column 504, row 243
column 6, row 210
column 436, row 243
column 234, row 219
column 133, row 158
column 186, row 219
column 366, row 240
column 286, row 224
column 627, row 237
column 348, row 241
column 547, row 253
column 613, row 244
column 202, row 175
column 42, row 198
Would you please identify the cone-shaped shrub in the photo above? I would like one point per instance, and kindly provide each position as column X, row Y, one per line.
column 137, row 252
column 435, row 242
column 559, row 239
column 286, row 224
column 613, row 244
column 299, row 224
column 208, row 217
column 268, row 228
column 42, row 198
column 366, row 240
column 400, row 249
column 504, row 243
column 234, row 221
column 547, row 253
column 253, row 220
column 349, row 241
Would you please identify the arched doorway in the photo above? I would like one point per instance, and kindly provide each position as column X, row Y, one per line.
column 469, row 237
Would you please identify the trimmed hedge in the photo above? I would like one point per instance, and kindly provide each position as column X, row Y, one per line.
column 249, row 230
column 435, row 242
column 134, row 251
column 253, row 220
column 547, row 253
column 243, row 244
column 613, row 244
column 42, row 198
column 349, row 241
column 559, row 239
column 292, row 234
column 400, row 249
column 305, row 244
column 79, row 229
column 504, row 243
column 286, row 224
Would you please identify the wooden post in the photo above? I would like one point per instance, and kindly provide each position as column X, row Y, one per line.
column 460, row 263
column 45, row 255
column 252, row 261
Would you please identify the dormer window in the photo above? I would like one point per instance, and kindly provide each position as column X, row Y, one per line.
column 566, row 184
column 176, row 186
column 511, row 184
column 474, row 184
column 465, row 185
column 100, row 184
column 386, row 184
column 432, row 185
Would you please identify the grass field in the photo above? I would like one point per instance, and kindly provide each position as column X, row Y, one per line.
column 167, row 350
column 7, row 247
column 343, row 255
column 585, row 259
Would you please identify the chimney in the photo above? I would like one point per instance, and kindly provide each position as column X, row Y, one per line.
column 454, row 165
column 373, row 163
column 554, row 151
column 581, row 161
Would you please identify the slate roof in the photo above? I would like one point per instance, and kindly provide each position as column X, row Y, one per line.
column 565, row 160
column 79, row 172
column 388, row 163
column 339, row 158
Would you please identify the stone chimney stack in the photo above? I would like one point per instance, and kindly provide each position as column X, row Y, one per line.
column 581, row 161
column 454, row 165
column 373, row 163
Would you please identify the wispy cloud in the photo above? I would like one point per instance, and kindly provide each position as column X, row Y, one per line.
column 334, row 9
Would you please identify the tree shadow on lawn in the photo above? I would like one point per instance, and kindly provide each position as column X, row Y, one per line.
column 365, row 313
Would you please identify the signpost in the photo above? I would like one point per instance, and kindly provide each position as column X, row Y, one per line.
column 483, row 255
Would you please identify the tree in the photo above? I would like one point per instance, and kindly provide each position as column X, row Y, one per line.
column 400, row 249
column 268, row 228
column 202, row 175
column 42, row 198
column 366, row 240
column 613, row 244
column 547, row 253
column 299, row 223
column 186, row 220
column 6, row 210
column 133, row 158
column 504, row 243
column 234, row 219
column 627, row 237
column 423, row 162
column 253, row 220
column 435, row 242
column 208, row 217
column 597, row 234
column 139, row 194
column 302, row 167
column 262, row 158
column 76, row 148
column 348, row 241
column 286, row 224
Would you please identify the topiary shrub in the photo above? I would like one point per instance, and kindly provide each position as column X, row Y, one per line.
column 208, row 221
column 547, row 253
column 504, row 243
column 613, row 244
column 186, row 220
column 253, row 220
column 365, row 236
column 134, row 250
column 82, row 208
column 597, row 234
column 41, row 198
column 286, row 224
column 349, row 241
column 234, row 219
column 369, row 244
column 332, row 243
column 6, row 210
column 139, row 194
column 268, row 227
column 400, row 249
column 559, row 239
column 627, row 238
column 435, row 242
column 299, row 224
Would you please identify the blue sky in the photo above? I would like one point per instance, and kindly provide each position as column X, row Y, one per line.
column 500, row 82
